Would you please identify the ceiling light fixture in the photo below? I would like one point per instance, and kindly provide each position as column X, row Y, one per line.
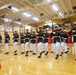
column 27, row 14
column 17, row 22
column 62, row 15
column 7, row 20
column 15, row 9
column 48, row 1
column 54, row 6
column 35, row 18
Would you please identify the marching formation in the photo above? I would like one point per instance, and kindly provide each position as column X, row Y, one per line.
column 59, row 41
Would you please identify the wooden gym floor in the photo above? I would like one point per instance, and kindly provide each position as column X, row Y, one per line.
column 31, row 65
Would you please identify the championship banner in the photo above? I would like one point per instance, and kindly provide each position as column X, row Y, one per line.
column 8, row 28
column 16, row 28
column 1, row 28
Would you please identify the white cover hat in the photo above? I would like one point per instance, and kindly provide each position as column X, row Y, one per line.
column 74, row 23
column 56, row 26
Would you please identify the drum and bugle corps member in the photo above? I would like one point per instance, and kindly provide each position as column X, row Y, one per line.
column 22, row 42
column 7, row 40
column 0, row 41
column 33, row 42
column 15, row 38
column 73, row 33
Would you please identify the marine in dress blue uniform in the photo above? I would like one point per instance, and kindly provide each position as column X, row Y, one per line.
column 73, row 33
column 7, row 40
column 45, row 41
column 64, row 37
column 56, row 34
column 27, row 41
column 33, row 42
column 0, row 41
column 22, row 42
column 15, row 38
column 40, row 43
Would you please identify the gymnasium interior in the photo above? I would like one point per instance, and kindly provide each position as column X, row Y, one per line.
column 20, row 15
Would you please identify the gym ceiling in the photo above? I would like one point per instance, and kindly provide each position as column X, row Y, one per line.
column 36, row 12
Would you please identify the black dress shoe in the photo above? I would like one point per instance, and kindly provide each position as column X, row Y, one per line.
column 40, row 53
column 26, row 55
column 15, row 51
column 43, row 51
column 34, row 53
column 22, row 52
column 66, row 52
column 15, row 54
column 46, row 53
column 51, row 51
column 56, row 56
column 61, row 53
column 68, row 48
column 26, row 52
column 39, row 57
column 31, row 51
column 7, row 53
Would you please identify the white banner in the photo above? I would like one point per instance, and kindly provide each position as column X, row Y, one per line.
column 1, row 28
column 8, row 28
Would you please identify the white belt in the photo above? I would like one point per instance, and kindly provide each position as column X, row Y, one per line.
column 32, row 39
column 45, row 38
column 40, row 37
column 22, row 39
column 65, row 38
column 27, row 38
column 74, row 35
column 15, row 39
column 6, row 39
column 57, row 36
